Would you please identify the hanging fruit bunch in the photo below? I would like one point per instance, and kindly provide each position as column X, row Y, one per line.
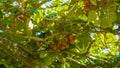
column 89, row 5
column 106, row 2
column 64, row 43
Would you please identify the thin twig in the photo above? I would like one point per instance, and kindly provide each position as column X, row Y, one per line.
column 98, row 59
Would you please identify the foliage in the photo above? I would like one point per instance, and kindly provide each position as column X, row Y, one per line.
column 59, row 33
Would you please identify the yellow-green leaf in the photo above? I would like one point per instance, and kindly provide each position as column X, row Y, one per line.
column 94, row 2
column 92, row 15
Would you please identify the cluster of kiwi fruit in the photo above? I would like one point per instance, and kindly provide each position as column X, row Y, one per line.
column 64, row 43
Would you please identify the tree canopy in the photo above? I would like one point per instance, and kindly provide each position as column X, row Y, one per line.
column 59, row 33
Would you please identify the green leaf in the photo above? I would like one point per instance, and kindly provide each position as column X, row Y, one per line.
column 74, row 65
column 1, row 4
column 106, row 66
column 56, row 2
column 118, row 57
column 107, row 19
column 96, row 22
column 42, row 55
column 118, row 17
column 63, row 66
column 67, row 65
column 37, row 17
column 112, row 7
column 92, row 15
column 62, row 8
column 73, row 1
column 110, row 37
column 112, row 16
column 94, row 2
column 33, row 10
column 16, row 10
column 48, row 60
column 6, row 21
column 84, row 40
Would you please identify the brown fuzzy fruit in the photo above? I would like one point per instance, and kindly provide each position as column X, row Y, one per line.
column 62, row 48
column 72, row 39
column 54, row 47
column 67, row 46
